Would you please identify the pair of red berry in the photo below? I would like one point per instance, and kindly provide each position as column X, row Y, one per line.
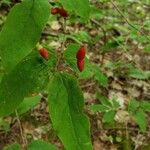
column 80, row 58
column 60, row 11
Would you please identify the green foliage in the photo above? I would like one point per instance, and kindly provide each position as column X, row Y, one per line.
column 13, row 147
column 139, row 74
column 99, row 76
column 65, row 107
column 129, row 70
column 22, row 31
column 109, row 116
column 111, row 44
column 70, row 55
column 133, row 105
column 135, row 108
column 96, row 13
column 21, row 82
column 27, row 104
column 145, row 105
column 137, row 111
column 140, row 118
column 104, row 100
column 107, row 107
column 82, row 36
column 81, row 8
column 5, row 2
column 99, row 107
column 4, row 125
column 147, row 48
column 40, row 145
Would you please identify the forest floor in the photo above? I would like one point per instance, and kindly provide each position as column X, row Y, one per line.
column 114, row 44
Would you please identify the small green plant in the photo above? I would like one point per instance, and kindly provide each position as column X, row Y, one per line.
column 137, row 110
column 107, row 107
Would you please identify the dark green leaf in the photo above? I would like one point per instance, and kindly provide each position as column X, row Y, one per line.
column 21, row 82
column 27, row 104
column 41, row 145
column 66, row 111
column 80, row 7
column 133, row 105
column 115, row 103
column 99, row 76
column 70, row 55
column 87, row 72
column 13, row 147
column 22, row 31
column 4, row 125
column 147, row 48
column 139, row 74
column 140, row 118
column 104, row 100
column 110, row 45
column 81, row 36
column 108, row 116
column 145, row 105
column 99, row 107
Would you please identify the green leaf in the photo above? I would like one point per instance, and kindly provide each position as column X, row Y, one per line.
column 66, row 111
column 41, row 145
column 21, row 82
column 141, row 120
column 96, row 13
column 109, row 116
column 139, row 74
column 87, row 72
column 100, row 77
column 147, row 48
column 70, row 55
column 80, row 7
column 27, row 104
column 4, row 125
column 133, row 105
column 115, row 103
column 111, row 44
column 13, row 147
column 52, row 57
column 145, row 105
column 81, row 36
column 22, row 31
column 104, row 100
column 99, row 107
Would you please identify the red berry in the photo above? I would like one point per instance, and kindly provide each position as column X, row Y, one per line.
column 55, row 10
column 80, row 64
column 44, row 53
column 63, row 12
column 81, row 53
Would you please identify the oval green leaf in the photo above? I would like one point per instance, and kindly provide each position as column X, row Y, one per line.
column 22, row 31
column 66, row 111
column 21, row 82
column 40, row 145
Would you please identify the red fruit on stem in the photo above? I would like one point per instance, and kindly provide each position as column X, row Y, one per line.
column 55, row 11
column 63, row 12
column 80, row 64
column 44, row 53
column 81, row 53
